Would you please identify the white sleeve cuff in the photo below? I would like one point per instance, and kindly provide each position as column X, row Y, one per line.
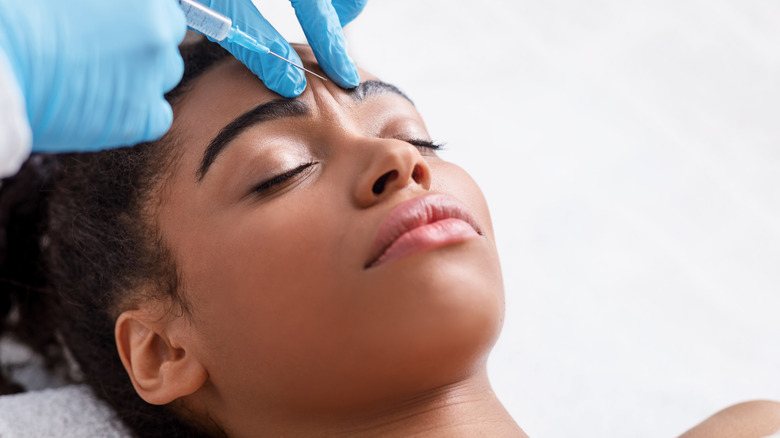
column 15, row 132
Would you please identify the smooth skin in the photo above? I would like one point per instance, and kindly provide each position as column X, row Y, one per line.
column 290, row 333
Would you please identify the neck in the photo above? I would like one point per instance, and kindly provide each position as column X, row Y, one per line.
column 464, row 409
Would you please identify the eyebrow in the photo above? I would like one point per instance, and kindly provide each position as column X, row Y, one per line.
column 367, row 89
column 280, row 109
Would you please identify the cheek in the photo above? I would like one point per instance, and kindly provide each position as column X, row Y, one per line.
column 273, row 296
column 266, row 281
column 265, row 264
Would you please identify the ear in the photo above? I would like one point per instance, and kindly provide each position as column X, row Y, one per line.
column 150, row 345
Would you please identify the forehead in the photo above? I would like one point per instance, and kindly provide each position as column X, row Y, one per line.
column 228, row 80
column 227, row 89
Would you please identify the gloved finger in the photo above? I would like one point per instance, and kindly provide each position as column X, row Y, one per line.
column 276, row 74
column 151, row 118
column 169, row 18
column 173, row 69
column 347, row 10
column 175, row 21
column 160, row 113
column 322, row 28
column 159, row 120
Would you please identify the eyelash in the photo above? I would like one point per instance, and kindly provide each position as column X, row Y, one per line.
column 427, row 144
column 279, row 179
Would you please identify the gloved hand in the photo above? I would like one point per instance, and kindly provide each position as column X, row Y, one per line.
column 93, row 72
column 321, row 21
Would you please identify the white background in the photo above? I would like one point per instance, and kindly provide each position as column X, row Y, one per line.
column 630, row 153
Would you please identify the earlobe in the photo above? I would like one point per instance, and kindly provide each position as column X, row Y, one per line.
column 158, row 365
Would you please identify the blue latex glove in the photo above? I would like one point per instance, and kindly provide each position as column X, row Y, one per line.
column 321, row 21
column 93, row 72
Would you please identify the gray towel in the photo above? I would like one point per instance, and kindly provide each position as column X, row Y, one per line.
column 69, row 411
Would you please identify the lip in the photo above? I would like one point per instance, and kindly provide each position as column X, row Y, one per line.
column 422, row 223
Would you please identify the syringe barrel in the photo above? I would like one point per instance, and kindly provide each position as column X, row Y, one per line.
column 206, row 21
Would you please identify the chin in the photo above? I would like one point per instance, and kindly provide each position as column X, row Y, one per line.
column 458, row 313
column 420, row 323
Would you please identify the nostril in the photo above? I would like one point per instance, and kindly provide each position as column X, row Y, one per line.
column 418, row 173
column 379, row 185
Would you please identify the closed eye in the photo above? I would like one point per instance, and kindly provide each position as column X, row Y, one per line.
column 427, row 144
column 267, row 187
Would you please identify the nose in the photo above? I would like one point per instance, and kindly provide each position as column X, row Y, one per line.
column 390, row 165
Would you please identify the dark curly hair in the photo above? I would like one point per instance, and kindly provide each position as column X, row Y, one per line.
column 77, row 240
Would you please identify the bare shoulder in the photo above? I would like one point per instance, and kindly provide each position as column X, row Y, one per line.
column 753, row 419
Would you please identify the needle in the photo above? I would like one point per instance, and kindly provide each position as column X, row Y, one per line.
column 299, row 66
column 219, row 27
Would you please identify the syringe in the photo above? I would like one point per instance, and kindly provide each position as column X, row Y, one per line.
column 219, row 27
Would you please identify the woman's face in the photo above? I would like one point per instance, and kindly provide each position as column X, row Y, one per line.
column 272, row 216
